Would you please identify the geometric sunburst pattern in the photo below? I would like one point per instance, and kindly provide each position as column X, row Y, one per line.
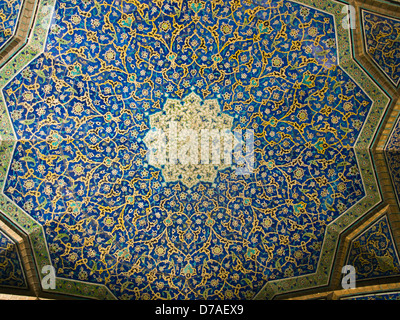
column 194, row 117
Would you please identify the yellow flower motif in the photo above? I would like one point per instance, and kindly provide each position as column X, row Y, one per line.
column 109, row 55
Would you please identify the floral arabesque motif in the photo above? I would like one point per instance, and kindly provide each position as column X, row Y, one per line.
column 82, row 109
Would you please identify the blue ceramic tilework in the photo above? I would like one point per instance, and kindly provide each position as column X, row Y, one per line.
column 392, row 155
column 382, row 42
column 9, row 14
column 378, row 296
column 82, row 109
column 11, row 271
column 393, row 161
column 373, row 253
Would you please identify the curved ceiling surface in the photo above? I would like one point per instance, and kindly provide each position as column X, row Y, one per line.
column 81, row 101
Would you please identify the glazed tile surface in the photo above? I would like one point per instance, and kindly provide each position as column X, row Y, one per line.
column 373, row 253
column 9, row 14
column 11, row 272
column 81, row 110
column 382, row 40
column 381, row 296
column 392, row 155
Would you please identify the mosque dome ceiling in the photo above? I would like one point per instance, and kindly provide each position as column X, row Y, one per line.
column 304, row 102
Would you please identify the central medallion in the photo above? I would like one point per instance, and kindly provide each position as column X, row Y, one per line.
column 190, row 140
